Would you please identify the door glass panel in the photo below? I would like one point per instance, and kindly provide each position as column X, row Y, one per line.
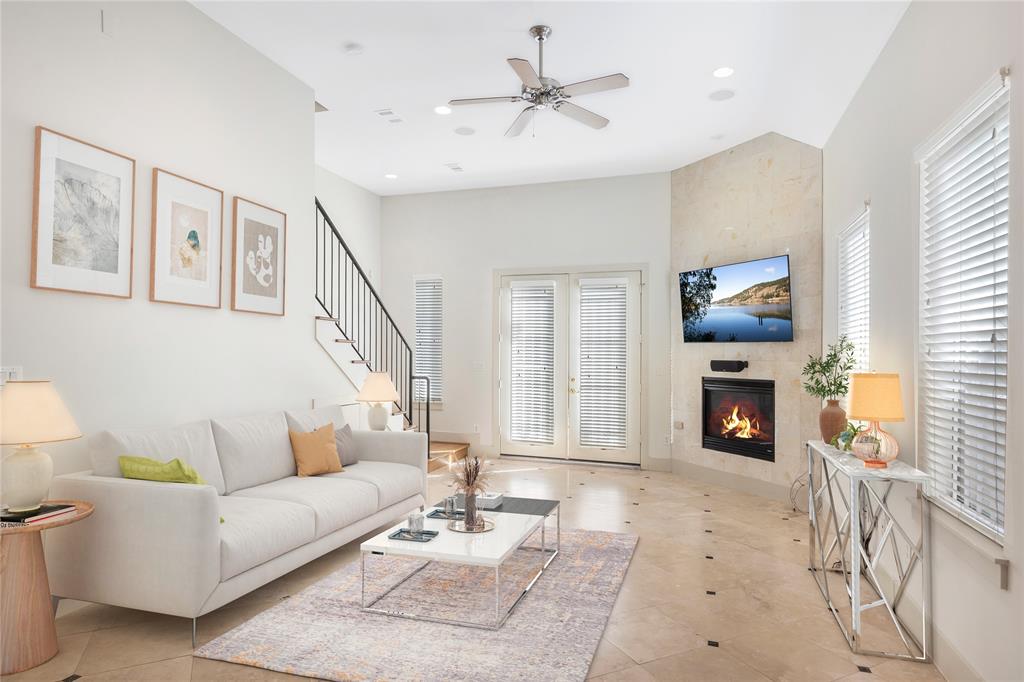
column 603, row 345
column 532, row 375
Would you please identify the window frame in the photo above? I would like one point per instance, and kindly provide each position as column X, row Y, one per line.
column 963, row 118
column 436, row 384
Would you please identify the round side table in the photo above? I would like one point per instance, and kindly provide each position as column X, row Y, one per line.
column 28, row 636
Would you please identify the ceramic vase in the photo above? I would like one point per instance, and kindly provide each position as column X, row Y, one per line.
column 832, row 420
column 471, row 520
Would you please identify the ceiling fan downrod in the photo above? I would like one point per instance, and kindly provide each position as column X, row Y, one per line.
column 540, row 33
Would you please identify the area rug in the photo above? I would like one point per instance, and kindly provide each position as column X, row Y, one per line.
column 552, row 634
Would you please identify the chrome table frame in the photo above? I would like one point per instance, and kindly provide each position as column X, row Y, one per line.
column 867, row 518
column 500, row 615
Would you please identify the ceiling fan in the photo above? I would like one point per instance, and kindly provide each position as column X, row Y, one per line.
column 541, row 92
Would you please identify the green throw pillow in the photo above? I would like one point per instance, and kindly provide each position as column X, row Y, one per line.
column 146, row 469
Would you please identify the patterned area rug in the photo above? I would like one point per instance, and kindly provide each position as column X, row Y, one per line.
column 552, row 634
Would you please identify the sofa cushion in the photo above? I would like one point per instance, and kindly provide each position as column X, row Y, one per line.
column 312, row 419
column 253, row 450
column 346, row 445
column 336, row 503
column 255, row 531
column 315, row 452
column 191, row 443
column 394, row 482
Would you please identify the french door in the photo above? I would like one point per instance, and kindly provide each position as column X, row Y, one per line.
column 569, row 370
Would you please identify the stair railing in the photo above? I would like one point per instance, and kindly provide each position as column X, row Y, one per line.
column 348, row 298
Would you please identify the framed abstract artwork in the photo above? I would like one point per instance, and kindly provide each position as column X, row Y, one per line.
column 187, row 234
column 258, row 248
column 83, row 218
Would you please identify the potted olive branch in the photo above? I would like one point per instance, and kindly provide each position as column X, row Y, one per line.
column 828, row 378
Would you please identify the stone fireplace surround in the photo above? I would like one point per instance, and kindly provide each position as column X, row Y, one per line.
column 759, row 199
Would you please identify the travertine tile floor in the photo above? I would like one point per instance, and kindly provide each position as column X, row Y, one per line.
column 711, row 564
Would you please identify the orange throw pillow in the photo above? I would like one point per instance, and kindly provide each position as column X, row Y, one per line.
column 315, row 452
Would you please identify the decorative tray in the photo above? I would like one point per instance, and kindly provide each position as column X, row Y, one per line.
column 413, row 535
column 459, row 526
column 439, row 514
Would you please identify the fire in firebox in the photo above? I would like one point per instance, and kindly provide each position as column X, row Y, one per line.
column 739, row 425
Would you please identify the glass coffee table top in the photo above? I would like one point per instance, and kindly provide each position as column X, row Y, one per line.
column 513, row 505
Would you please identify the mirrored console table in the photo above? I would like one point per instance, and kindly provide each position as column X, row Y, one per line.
column 862, row 558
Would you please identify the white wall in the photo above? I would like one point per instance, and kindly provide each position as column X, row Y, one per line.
column 169, row 88
column 938, row 56
column 466, row 236
column 356, row 213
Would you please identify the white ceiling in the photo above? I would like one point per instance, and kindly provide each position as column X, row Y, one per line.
column 797, row 67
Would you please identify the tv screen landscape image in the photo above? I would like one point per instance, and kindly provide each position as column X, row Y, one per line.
column 739, row 302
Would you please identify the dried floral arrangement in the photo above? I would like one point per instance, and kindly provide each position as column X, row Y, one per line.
column 470, row 478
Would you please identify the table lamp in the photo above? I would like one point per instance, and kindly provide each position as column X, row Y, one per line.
column 31, row 412
column 378, row 391
column 875, row 397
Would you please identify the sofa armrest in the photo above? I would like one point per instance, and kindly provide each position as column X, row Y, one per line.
column 400, row 447
column 148, row 545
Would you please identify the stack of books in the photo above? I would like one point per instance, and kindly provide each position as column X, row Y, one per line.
column 45, row 512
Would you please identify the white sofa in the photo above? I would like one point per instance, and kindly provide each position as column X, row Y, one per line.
column 161, row 546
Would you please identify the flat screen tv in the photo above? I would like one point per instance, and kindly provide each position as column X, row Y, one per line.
column 739, row 302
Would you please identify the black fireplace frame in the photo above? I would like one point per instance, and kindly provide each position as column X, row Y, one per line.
column 755, row 450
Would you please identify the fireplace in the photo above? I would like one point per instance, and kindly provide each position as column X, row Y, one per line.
column 739, row 416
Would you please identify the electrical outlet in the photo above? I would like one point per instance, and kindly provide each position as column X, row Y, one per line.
column 668, row 440
column 10, row 374
column 476, row 428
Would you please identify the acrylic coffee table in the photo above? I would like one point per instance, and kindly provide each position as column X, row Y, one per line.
column 515, row 521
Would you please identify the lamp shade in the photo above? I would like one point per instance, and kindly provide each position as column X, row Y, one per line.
column 378, row 389
column 32, row 412
column 876, row 397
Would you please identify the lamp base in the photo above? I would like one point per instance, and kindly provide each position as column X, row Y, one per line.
column 377, row 417
column 26, row 478
column 876, row 447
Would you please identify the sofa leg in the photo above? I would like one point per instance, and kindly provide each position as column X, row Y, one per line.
column 194, row 632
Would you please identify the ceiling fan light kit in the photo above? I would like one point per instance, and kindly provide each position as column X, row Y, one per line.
column 541, row 92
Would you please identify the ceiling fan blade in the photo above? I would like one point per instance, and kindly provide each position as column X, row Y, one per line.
column 522, row 120
column 483, row 100
column 525, row 73
column 612, row 82
column 584, row 116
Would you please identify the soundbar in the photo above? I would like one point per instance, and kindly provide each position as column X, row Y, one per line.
column 728, row 365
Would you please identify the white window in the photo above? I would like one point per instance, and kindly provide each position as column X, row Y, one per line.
column 429, row 327
column 962, row 355
column 854, row 269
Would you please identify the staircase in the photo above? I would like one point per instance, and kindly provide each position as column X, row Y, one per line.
column 356, row 330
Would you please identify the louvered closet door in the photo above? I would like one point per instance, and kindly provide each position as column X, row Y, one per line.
column 533, row 371
column 604, row 366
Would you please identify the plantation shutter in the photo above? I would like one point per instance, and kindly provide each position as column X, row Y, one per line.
column 429, row 324
column 963, row 317
column 602, row 379
column 855, row 288
column 532, row 375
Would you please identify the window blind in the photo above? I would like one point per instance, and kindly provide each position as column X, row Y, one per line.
column 532, row 371
column 855, row 288
column 429, row 338
column 962, row 372
column 602, row 372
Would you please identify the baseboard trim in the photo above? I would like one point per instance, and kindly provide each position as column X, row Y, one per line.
column 726, row 479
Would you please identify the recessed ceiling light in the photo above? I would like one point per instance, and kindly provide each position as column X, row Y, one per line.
column 722, row 95
column 723, row 72
column 352, row 49
column 442, row 110
column 390, row 176
column 464, row 130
